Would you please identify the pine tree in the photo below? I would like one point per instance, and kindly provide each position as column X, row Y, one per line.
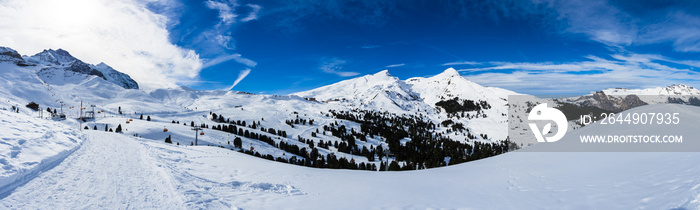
column 119, row 128
column 148, row 118
column 141, row 117
column 237, row 142
column 168, row 140
column 94, row 128
column 106, row 127
column 394, row 166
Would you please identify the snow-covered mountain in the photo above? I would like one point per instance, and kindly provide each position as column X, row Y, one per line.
column 112, row 75
column 379, row 91
column 679, row 89
column 57, row 60
column 10, row 55
column 422, row 96
column 58, row 57
column 450, row 84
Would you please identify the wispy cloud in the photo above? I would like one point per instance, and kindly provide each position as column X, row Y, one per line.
column 617, row 24
column 241, row 76
column 625, row 70
column 395, row 65
column 369, row 46
column 639, row 23
column 236, row 57
column 253, row 15
column 226, row 10
column 459, row 63
column 334, row 66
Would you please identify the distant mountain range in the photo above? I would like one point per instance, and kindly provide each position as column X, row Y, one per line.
column 51, row 61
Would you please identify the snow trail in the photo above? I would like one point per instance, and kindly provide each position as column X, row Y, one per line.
column 109, row 171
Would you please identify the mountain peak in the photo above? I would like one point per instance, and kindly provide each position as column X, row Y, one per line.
column 56, row 57
column 8, row 54
column 450, row 72
column 382, row 73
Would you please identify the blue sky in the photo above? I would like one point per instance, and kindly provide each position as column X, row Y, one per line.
column 285, row 46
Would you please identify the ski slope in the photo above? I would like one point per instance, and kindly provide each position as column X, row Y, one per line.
column 120, row 171
column 108, row 171
column 30, row 145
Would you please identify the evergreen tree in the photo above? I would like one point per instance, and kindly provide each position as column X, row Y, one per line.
column 94, row 128
column 119, row 128
column 394, row 166
column 168, row 140
column 148, row 118
column 106, row 127
column 141, row 117
column 237, row 142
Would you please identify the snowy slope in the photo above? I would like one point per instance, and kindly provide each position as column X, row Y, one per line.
column 116, row 77
column 30, row 145
column 450, row 84
column 379, row 91
column 108, row 171
column 209, row 177
column 679, row 89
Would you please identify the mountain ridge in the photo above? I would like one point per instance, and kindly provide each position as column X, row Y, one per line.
column 50, row 60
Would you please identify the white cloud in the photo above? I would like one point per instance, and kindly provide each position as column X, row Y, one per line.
column 334, row 66
column 253, row 15
column 122, row 33
column 241, row 75
column 395, row 65
column 628, row 71
column 236, row 57
column 457, row 63
column 226, row 10
column 367, row 46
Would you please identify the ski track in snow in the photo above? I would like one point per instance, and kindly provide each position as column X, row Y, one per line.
column 203, row 193
column 108, row 171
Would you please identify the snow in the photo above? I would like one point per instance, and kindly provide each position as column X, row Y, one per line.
column 109, row 171
column 379, row 91
column 58, row 60
column 58, row 57
column 450, row 84
column 30, row 145
column 679, row 89
column 120, row 171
